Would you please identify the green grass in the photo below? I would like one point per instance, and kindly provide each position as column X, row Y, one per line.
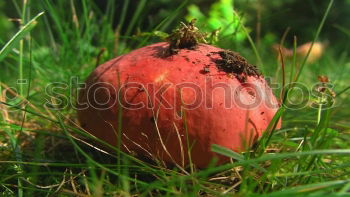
column 44, row 153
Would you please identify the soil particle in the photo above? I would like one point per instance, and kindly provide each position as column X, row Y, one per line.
column 232, row 63
column 205, row 69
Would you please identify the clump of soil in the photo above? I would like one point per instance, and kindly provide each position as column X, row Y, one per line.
column 185, row 37
column 188, row 36
column 232, row 63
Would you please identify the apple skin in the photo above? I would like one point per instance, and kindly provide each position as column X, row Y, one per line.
column 175, row 103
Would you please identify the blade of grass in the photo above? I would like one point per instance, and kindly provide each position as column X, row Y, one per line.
column 294, row 64
column 332, row 169
column 18, row 10
column 309, row 188
column 17, row 148
column 345, row 190
column 86, row 11
column 120, row 126
column 110, row 11
column 342, row 91
column 119, row 50
column 19, row 36
column 189, row 146
column 135, row 17
column 342, row 29
column 21, row 47
column 251, row 42
column 28, row 89
column 267, row 157
column 280, row 55
column 315, row 38
column 283, row 73
column 224, row 151
column 55, row 164
column 299, row 154
column 49, row 7
column 123, row 15
column 270, row 130
column 18, row 155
